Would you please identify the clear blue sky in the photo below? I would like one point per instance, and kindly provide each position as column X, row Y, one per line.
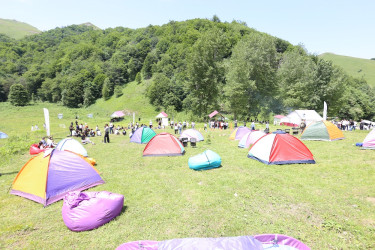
column 344, row 27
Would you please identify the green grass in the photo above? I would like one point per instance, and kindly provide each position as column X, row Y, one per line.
column 356, row 67
column 326, row 205
column 16, row 29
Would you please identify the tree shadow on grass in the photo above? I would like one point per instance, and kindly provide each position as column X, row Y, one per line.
column 15, row 172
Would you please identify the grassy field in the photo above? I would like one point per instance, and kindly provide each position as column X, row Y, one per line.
column 356, row 67
column 15, row 29
column 329, row 205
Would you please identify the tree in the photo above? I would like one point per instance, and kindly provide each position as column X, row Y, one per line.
column 89, row 94
column 138, row 78
column 251, row 77
column 205, row 71
column 118, row 91
column 18, row 95
column 105, row 91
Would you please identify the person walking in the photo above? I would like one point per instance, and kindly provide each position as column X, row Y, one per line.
column 106, row 133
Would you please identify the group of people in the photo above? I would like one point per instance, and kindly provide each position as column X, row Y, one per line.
column 46, row 143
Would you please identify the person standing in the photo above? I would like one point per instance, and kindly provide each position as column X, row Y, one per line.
column 71, row 128
column 110, row 127
column 253, row 125
column 106, row 133
column 175, row 128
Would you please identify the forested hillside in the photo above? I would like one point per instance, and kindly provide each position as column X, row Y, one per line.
column 196, row 65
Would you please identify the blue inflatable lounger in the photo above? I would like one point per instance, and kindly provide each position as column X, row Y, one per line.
column 206, row 160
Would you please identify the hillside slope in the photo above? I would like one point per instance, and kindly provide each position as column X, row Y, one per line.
column 356, row 67
column 16, row 29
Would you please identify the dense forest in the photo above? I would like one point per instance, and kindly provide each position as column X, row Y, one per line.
column 196, row 65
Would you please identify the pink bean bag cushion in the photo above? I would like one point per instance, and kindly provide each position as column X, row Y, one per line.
column 83, row 211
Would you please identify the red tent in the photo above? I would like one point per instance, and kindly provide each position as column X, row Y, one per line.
column 280, row 149
column 164, row 144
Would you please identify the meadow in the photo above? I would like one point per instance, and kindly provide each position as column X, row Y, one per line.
column 329, row 205
column 355, row 67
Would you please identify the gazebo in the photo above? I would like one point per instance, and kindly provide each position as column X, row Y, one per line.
column 216, row 113
column 164, row 118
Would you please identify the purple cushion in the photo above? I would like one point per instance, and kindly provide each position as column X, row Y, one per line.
column 83, row 211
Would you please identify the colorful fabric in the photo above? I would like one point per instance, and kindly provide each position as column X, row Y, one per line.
column 46, row 179
column 250, row 138
column 369, row 141
column 280, row 149
column 264, row 241
column 72, row 145
column 204, row 161
column 164, row 144
column 322, row 131
column 192, row 133
column 142, row 135
column 3, row 135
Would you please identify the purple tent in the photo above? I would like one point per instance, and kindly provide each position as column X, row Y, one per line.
column 241, row 131
column 266, row 241
column 49, row 176
column 89, row 210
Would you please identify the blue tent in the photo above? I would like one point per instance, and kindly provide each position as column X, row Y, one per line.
column 206, row 160
column 3, row 135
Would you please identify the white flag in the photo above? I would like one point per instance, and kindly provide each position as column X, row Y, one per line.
column 325, row 111
column 46, row 118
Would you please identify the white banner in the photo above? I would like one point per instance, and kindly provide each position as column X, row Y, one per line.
column 325, row 111
column 46, row 119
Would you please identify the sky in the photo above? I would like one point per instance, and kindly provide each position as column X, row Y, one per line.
column 343, row 27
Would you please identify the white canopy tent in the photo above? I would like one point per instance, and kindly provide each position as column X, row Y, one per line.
column 297, row 116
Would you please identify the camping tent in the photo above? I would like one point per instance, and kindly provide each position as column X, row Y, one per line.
column 72, row 145
column 164, row 118
column 3, row 135
column 250, row 138
column 192, row 133
column 369, row 141
column 164, row 144
column 117, row 114
column 295, row 118
column 47, row 177
column 142, row 135
column 238, row 133
column 322, row 131
column 280, row 149
column 204, row 161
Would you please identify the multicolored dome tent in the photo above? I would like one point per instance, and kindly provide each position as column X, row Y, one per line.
column 164, row 144
column 250, row 138
column 72, row 145
column 192, row 133
column 50, row 175
column 278, row 149
column 3, row 135
column 369, row 141
column 142, row 135
column 238, row 133
column 204, row 161
column 257, row 242
column 322, row 131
